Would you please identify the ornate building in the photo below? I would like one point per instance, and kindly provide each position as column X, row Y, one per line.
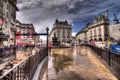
column 98, row 30
column 62, row 30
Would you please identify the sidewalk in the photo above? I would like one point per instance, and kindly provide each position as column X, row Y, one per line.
column 22, row 54
column 83, row 66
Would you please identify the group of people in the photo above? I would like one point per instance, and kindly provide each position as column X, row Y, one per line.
column 24, row 47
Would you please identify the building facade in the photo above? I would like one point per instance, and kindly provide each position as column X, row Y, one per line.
column 8, row 10
column 62, row 30
column 97, row 30
column 114, row 30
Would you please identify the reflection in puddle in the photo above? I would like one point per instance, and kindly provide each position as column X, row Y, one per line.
column 61, row 58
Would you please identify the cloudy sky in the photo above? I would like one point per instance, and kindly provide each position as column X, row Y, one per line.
column 42, row 13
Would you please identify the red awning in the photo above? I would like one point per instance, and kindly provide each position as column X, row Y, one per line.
column 18, row 37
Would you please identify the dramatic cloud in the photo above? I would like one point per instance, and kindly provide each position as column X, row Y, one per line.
column 42, row 13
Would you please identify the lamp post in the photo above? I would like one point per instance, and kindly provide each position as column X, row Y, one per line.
column 14, row 48
column 14, row 41
column 47, row 29
column 14, row 32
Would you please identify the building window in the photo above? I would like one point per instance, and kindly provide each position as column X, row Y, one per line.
column 95, row 31
column 99, row 30
column 91, row 33
column 8, row 7
column 68, row 34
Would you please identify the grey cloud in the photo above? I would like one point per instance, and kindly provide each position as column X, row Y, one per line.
column 44, row 12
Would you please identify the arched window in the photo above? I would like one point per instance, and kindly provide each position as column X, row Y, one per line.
column 100, row 39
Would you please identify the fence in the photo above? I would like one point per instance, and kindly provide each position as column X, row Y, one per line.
column 111, row 58
column 26, row 68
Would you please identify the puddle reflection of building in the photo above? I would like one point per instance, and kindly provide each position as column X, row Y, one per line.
column 62, row 59
column 58, row 63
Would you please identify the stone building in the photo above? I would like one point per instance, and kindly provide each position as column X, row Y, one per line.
column 62, row 30
column 97, row 30
column 28, row 29
column 8, row 10
column 81, row 35
column 114, row 31
column 22, row 28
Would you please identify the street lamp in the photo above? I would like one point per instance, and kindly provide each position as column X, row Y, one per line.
column 47, row 29
column 14, row 31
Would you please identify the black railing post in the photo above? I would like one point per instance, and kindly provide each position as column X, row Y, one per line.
column 109, row 57
column 15, row 43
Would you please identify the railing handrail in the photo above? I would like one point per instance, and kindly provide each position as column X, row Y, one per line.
column 115, row 53
column 25, row 69
column 7, row 72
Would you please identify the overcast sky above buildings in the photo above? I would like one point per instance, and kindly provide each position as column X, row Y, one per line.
column 42, row 13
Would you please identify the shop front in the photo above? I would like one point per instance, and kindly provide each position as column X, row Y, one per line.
column 6, row 52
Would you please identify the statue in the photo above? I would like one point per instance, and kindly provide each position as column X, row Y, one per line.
column 55, row 40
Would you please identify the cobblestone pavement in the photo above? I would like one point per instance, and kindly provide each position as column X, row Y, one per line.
column 76, row 64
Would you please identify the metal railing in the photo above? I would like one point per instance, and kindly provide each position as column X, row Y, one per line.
column 111, row 58
column 25, row 69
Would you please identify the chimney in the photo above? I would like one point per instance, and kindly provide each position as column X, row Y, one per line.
column 106, row 14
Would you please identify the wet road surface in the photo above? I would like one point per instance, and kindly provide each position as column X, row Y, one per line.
column 76, row 64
